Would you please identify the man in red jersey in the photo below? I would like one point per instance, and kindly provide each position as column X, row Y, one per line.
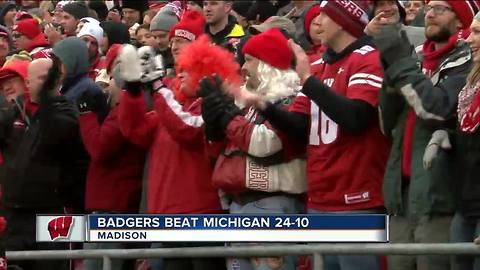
column 336, row 114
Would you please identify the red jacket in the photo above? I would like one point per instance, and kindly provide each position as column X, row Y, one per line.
column 179, row 172
column 114, row 179
column 258, row 157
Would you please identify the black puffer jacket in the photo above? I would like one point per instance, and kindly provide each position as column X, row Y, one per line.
column 37, row 172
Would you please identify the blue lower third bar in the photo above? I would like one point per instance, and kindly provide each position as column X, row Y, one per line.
column 238, row 222
column 239, row 228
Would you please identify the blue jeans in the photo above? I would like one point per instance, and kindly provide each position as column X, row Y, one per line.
column 352, row 262
column 464, row 229
column 269, row 205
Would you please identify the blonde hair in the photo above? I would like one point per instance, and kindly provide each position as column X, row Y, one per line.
column 474, row 75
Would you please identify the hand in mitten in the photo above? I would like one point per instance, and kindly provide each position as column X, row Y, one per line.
column 439, row 140
column 152, row 64
column 129, row 69
column 212, row 109
column 86, row 103
column 93, row 102
column 231, row 110
column 393, row 44
column 209, row 86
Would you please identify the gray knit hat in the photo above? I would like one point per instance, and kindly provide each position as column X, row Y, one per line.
column 165, row 19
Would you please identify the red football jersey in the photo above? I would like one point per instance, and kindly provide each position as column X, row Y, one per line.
column 345, row 170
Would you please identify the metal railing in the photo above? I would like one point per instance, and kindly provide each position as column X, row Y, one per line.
column 251, row 251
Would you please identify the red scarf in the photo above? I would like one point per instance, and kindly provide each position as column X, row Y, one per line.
column 431, row 60
column 471, row 119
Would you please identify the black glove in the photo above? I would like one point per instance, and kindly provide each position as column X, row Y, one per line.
column 230, row 111
column 393, row 44
column 134, row 88
column 86, row 102
column 96, row 103
column 217, row 108
column 212, row 110
column 209, row 86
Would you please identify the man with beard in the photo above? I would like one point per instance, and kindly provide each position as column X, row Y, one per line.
column 414, row 102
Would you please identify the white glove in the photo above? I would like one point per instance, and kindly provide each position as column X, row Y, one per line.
column 152, row 64
column 129, row 66
column 439, row 140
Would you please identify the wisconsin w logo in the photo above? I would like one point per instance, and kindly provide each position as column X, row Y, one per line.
column 60, row 227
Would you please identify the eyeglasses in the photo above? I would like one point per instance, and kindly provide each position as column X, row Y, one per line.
column 17, row 35
column 437, row 10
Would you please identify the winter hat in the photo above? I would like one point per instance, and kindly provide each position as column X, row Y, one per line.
column 166, row 18
column 22, row 15
column 77, row 10
column 90, row 20
column 465, row 10
column 351, row 15
column 274, row 22
column 4, row 9
column 311, row 14
column 270, row 47
column 14, row 68
column 190, row 26
column 28, row 28
column 117, row 33
column 242, row 6
column 140, row 5
column 100, row 7
column 92, row 29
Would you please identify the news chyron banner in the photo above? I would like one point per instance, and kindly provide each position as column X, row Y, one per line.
column 213, row 228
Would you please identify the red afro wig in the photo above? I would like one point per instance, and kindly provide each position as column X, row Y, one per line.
column 202, row 58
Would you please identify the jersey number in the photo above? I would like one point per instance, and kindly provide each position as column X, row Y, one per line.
column 327, row 131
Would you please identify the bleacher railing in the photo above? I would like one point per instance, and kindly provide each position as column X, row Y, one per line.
column 251, row 251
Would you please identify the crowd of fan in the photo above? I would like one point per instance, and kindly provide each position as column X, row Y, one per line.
column 242, row 107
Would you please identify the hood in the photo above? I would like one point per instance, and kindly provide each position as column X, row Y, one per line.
column 117, row 33
column 73, row 53
column 4, row 8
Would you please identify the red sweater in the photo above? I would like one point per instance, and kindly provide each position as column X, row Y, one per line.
column 179, row 173
column 114, row 179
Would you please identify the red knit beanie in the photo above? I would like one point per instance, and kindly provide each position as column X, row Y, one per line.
column 270, row 47
column 465, row 10
column 311, row 14
column 351, row 15
column 190, row 26
column 28, row 28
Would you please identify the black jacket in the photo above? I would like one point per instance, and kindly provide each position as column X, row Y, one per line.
column 39, row 171
column 467, row 186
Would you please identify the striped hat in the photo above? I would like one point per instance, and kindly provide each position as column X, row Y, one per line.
column 351, row 15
